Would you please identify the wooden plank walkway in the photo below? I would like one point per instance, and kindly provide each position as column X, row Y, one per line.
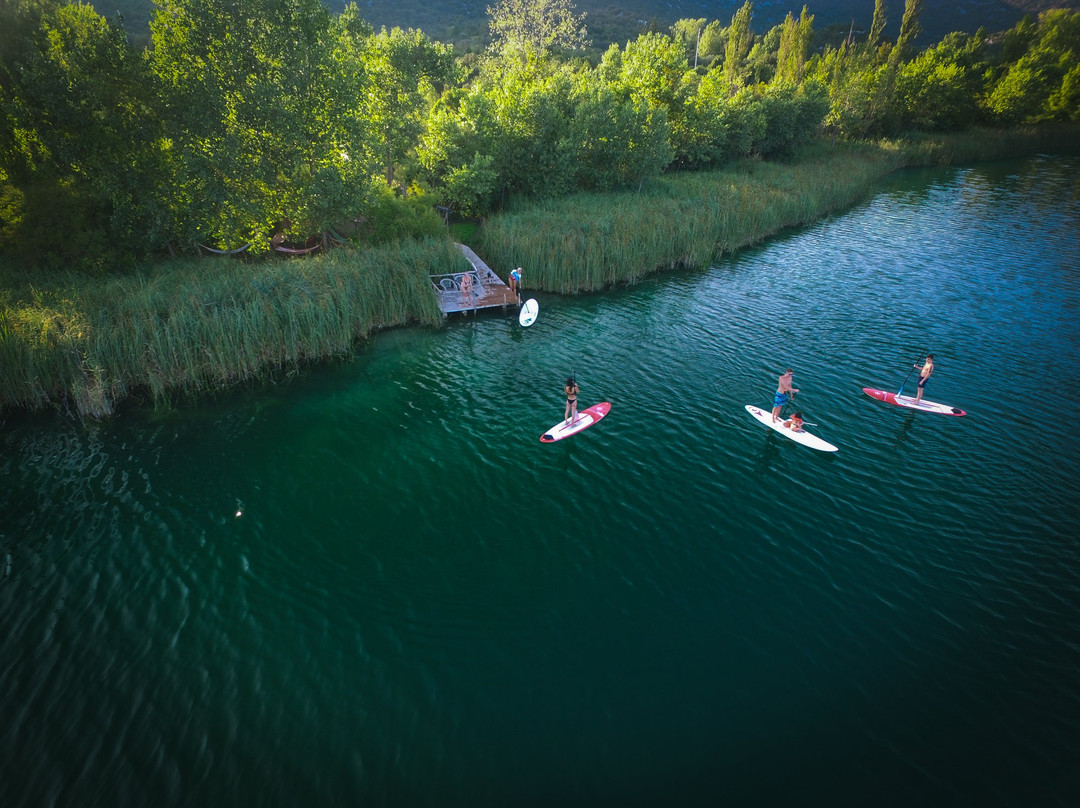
column 488, row 290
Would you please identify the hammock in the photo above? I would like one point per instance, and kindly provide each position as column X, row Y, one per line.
column 295, row 251
column 226, row 252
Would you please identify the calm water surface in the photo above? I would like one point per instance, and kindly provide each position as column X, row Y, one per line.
column 372, row 585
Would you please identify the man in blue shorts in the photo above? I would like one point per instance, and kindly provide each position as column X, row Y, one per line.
column 784, row 393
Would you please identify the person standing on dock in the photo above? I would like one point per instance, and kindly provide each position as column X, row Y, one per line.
column 466, row 289
column 515, row 283
column 784, row 393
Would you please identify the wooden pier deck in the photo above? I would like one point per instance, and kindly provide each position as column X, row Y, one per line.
column 488, row 290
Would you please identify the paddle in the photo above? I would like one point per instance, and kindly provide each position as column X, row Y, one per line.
column 913, row 366
column 790, row 399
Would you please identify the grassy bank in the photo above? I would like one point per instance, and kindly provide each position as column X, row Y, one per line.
column 589, row 241
column 182, row 327
column 202, row 324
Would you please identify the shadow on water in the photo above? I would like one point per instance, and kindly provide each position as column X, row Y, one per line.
column 904, row 433
column 770, row 451
column 565, row 458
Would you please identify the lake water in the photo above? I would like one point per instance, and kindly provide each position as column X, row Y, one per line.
column 371, row 584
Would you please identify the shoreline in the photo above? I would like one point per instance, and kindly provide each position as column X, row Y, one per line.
column 84, row 344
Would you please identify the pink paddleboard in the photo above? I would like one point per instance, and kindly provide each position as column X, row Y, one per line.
column 585, row 419
column 909, row 402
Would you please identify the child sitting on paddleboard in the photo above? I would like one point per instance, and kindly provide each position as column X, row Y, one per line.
column 795, row 422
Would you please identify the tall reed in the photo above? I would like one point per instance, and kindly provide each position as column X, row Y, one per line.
column 194, row 325
column 589, row 241
column 201, row 324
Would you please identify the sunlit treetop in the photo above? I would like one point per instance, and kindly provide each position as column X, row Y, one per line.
column 532, row 28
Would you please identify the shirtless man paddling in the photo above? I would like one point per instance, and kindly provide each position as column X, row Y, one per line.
column 784, row 394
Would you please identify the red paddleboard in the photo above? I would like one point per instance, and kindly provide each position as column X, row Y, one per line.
column 910, row 403
column 585, row 419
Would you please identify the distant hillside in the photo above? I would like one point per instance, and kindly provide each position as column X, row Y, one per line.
column 464, row 22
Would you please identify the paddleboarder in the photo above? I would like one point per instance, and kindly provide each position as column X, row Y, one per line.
column 924, row 374
column 784, row 393
column 571, row 390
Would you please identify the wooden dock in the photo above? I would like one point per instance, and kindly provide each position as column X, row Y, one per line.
column 488, row 290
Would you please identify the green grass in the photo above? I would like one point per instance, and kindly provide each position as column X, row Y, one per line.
column 589, row 241
column 973, row 145
column 586, row 242
column 203, row 324
column 464, row 232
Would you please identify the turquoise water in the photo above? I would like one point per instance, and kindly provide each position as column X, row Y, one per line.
column 370, row 584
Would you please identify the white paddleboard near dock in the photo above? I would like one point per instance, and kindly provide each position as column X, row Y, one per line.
column 527, row 315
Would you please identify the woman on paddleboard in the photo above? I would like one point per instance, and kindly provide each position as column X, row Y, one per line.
column 571, row 390
column 924, row 374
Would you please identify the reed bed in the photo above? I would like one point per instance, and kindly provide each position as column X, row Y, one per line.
column 185, row 327
column 987, row 144
column 687, row 220
column 589, row 241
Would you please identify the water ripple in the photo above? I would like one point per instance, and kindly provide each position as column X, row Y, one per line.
column 373, row 583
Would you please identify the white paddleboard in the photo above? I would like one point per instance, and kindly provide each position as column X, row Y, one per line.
column 585, row 419
column 804, row 437
column 527, row 315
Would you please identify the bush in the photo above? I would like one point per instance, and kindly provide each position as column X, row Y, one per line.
column 393, row 216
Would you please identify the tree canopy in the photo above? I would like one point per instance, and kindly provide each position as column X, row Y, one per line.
column 247, row 120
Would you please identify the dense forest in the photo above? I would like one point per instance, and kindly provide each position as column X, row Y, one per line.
column 244, row 124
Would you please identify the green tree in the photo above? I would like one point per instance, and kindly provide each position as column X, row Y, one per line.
column 795, row 38
column 940, row 88
column 760, row 64
column 711, row 44
column 877, row 25
column 652, row 70
column 910, row 28
column 264, row 115
column 687, row 33
column 1041, row 84
column 78, row 118
column 739, row 39
column 407, row 73
column 618, row 140
column 530, row 29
